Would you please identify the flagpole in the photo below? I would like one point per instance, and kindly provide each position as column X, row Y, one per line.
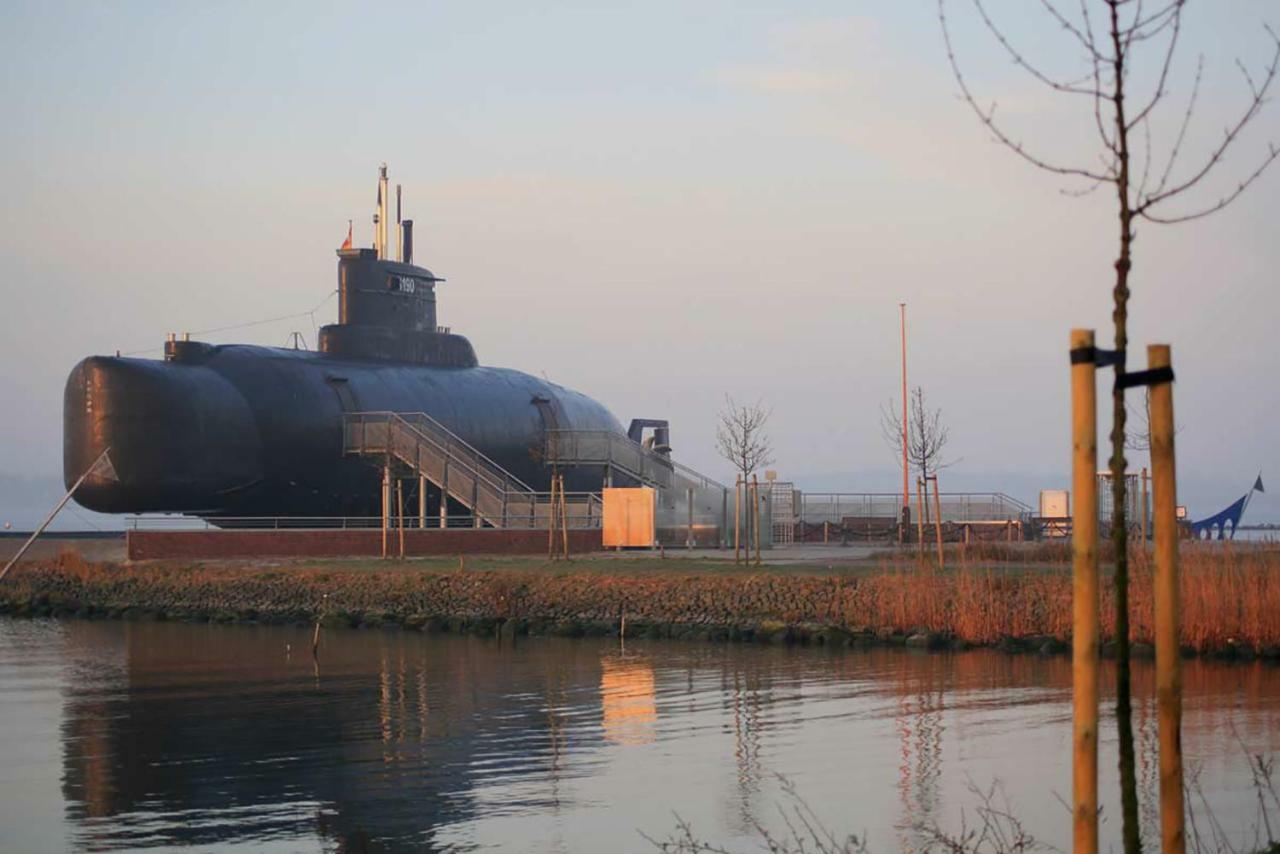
column 906, row 494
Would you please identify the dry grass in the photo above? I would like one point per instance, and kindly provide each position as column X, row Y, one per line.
column 1231, row 596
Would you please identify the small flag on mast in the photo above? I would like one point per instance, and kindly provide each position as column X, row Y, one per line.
column 346, row 244
column 1257, row 484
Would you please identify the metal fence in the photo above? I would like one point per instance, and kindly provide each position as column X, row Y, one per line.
column 835, row 507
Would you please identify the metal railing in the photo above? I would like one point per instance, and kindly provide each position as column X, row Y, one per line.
column 697, row 478
column 430, row 449
column 816, row 508
column 608, row 449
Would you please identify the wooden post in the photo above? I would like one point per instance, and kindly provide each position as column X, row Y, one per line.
column 1084, row 591
column 755, row 515
column 400, row 512
column 920, row 518
column 826, row 532
column 1146, row 505
column 386, row 501
column 737, row 519
column 564, row 519
column 937, row 521
column 551, row 520
column 422, row 501
column 444, row 496
column 688, row 539
column 1168, row 606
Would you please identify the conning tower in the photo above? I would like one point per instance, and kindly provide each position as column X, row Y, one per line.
column 387, row 307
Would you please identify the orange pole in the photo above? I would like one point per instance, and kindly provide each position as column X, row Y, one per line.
column 906, row 490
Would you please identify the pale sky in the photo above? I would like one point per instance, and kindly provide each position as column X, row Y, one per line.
column 653, row 203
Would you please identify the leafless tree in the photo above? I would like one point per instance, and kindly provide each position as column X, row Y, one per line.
column 1151, row 183
column 927, row 437
column 740, row 436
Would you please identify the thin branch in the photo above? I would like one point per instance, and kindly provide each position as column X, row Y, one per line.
column 1273, row 153
column 1159, row 94
column 1182, row 131
column 1146, row 158
column 1081, row 33
column 1070, row 87
column 988, row 118
column 1255, row 104
column 1174, row 6
column 1079, row 194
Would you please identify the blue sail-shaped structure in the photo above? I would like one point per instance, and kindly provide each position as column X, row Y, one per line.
column 1218, row 522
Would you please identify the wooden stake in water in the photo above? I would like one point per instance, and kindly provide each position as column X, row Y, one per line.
column 315, row 637
column 1084, row 590
column 1168, row 604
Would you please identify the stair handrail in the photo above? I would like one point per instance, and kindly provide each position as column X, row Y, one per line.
column 502, row 482
column 612, row 440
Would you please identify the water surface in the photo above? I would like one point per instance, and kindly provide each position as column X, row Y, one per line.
column 120, row 736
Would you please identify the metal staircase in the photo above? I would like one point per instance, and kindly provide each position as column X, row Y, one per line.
column 427, row 448
column 614, row 452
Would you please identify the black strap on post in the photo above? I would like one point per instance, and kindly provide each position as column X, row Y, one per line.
column 1155, row 376
column 1096, row 355
column 1126, row 379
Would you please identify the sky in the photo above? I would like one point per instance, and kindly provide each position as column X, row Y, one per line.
column 658, row 204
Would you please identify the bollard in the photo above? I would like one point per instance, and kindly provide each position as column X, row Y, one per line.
column 1168, row 606
column 1084, row 591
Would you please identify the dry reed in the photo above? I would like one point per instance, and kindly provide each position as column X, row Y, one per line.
column 1231, row 596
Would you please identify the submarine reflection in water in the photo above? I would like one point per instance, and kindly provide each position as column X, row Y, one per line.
column 222, row 737
column 176, row 734
column 241, row 430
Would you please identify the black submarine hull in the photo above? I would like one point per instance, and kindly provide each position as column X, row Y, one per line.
column 241, row 430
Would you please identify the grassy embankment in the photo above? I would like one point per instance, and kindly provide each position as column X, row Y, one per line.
column 991, row 595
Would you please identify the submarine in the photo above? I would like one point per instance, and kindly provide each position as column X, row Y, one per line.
column 237, row 430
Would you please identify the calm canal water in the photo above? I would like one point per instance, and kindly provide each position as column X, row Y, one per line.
column 121, row 736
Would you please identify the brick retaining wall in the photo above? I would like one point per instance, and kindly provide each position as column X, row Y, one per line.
column 151, row 545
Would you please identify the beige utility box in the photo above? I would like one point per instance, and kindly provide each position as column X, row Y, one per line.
column 629, row 517
column 1055, row 504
